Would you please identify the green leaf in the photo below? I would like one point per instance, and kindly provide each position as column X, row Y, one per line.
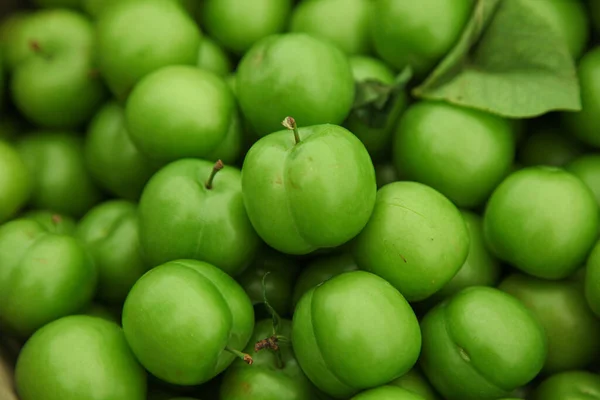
column 509, row 61
column 374, row 100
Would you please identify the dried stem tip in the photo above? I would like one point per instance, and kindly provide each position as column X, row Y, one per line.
column 290, row 123
column 56, row 219
column 242, row 356
column 268, row 343
column 218, row 166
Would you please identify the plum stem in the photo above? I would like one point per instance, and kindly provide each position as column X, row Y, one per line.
column 242, row 356
column 290, row 123
column 218, row 166
column 37, row 48
column 56, row 219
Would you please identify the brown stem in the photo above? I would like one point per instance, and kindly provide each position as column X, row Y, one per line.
column 290, row 123
column 37, row 48
column 242, row 356
column 218, row 166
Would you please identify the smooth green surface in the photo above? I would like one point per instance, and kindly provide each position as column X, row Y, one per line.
column 79, row 357
column 297, row 75
column 52, row 222
column 572, row 330
column 318, row 193
column 180, row 316
column 321, row 269
column 345, row 23
column 548, row 147
column 111, row 233
column 238, row 24
column 428, row 30
column 569, row 385
column 15, row 181
column 354, row 310
column 280, row 271
column 213, row 58
column 265, row 379
column 112, row 159
column 481, row 343
column 54, row 86
column 415, row 382
column 136, row 38
column 587, row 168
column 592, row 280
column 182, row 111
column 547, row 239
column 463, row 153
column 416, row 239
column 44, row 276
column 387, row 392
column 56, row 164
column 583, row 123
column 180, row 218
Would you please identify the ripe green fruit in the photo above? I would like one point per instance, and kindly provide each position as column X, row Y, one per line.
column 186, row 211
column 462, row 153
column 546, row 239
column 112, row 159
column 238, row 24
column 79, row 357
column 414, row 381
column 12, row 50
column 44, row 276
column 213, row 58
column 60, row 180
column 181, row 111
column 294, row 74
column 416, row 239
column 110, row 232
column 308, row 190
column 195, row 308
column 136, row 38
column 15, row 182
column 592, row 280
column 572, row 330
column 548, row 147
column 568, row 385
column 359, row 311
column 52, row 222
column 387, row 392
column 429, row 30
column 587, row 168
column 342, row 22
column 54, row 84
column 481, row 343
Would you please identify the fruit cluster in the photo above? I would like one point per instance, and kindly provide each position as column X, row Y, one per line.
column 298, row 200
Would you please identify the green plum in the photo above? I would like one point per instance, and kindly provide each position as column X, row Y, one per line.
column 387, row 392
column 15, row 182
column 12, row 50
column 574, row 385
column 354, row 332
column 213, row 58
column 79, row 357
column 111, row 158
column 481, row 344
column 373, row 127
column 416, row 239
column 428, row 30
column 183, row 318
column 96, row 7
column 55, row 84
column 271, row 376
column 110, row 232
column 238, row 24
column 569, row 19
column 182, row 111
column 414, row 381
column 461, row 152
column 345, row 23
column 583, row 124
column 311, row 189
column 294, row 74
column 320, row 270
column 61, row 182
column 136, row 38
column 279, row 272
column 548, row 147
column 592, row 280
column 190, row 210
column 587, row 168
column 52, row 222
column 572, row 330
column 44, row 276
column 542, row 220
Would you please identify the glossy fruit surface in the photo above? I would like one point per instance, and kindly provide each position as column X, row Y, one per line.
column 15, row 181
column 354, row 310
column 416, row 239
column 387, row 392
column 294, row 74
column 79, row 357
column 481, row 343
column 414, row 381
column 569, row 385
column 562, row 221
column 587, row 168
column 195, row 308
column 316, row 193
column 52, row 222
column 213, row 58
